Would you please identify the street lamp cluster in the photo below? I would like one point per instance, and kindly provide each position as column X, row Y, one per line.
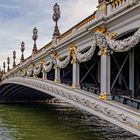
column 55, row 17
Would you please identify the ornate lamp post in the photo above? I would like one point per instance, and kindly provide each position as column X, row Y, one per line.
column 56, row 17
column 35, row 37
column 4, row 67
column 14, row 57
column 8, row 62
column 22, row 50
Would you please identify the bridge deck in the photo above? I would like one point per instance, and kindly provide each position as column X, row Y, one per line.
column 111, row 102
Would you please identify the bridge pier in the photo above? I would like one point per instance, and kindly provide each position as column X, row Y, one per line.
column 45, row 75
column 76, row 75
column 105, row 75
column 57, row 75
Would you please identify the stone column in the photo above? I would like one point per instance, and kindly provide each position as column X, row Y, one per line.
column 57, row 75
column 75, row 75
column 105, row 74
column 44, row 75
column 131, row 71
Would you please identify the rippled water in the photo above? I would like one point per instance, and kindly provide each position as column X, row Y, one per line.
column 55, row 122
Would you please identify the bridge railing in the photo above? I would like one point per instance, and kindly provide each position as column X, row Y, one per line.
column 111, row 7
column 119, row 4
column 77, row 27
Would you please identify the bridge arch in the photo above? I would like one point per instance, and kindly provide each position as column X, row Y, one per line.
column 107, row 110
column 13, row 92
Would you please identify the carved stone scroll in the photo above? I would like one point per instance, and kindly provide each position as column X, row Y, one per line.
column 87, row 55
column 30, row 72
column 47, row 67
column 125, row 44
column 62, row 64
column 37, row 70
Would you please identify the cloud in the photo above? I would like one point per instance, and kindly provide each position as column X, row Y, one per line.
column 9, row 6
column 18, row 18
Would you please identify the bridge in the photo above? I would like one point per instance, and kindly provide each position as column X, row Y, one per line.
column 95, row 65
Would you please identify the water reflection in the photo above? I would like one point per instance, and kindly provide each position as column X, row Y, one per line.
column 55, row 122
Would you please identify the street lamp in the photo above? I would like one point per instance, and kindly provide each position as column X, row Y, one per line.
column 56, row 17
column 14, row 57
column 8, row 62
column 22, row 50
column 35, row 37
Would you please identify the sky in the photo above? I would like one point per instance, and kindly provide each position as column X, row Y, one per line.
column 19, row 17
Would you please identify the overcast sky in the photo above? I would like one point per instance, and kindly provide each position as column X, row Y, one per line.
column 19, row 17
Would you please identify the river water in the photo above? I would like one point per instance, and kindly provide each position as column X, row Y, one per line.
column 55, row 122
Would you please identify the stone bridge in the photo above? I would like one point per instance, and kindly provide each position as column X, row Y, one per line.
column 95, row 65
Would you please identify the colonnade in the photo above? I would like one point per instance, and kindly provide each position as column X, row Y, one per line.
column 107, row 47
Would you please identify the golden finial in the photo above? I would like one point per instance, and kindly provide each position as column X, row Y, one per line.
column 101, row 30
